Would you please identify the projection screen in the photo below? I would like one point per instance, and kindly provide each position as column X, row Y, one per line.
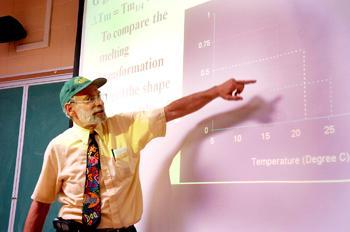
column 277, row 161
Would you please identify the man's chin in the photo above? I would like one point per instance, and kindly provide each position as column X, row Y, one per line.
column 94, row 123
column 102, row 116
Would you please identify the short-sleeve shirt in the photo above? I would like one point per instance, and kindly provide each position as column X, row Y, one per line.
column 120, row 139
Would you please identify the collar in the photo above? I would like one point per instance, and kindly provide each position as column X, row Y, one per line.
column 83, row 133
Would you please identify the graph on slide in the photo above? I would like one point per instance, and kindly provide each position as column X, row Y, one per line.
column 294, row 126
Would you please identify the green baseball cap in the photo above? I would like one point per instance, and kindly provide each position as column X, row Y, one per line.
column 77, row 84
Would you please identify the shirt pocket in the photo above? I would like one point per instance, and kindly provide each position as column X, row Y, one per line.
column 124, row 163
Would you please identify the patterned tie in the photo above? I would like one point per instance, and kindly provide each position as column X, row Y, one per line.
column 92, row 200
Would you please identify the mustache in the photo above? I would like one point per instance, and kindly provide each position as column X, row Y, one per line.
column 99, row 110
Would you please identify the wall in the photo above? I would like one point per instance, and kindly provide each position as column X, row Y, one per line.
column 23, row 74
column 59, row 55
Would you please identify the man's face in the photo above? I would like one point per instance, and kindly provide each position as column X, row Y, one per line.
column 88, row 108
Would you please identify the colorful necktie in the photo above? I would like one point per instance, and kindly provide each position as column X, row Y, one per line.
column 92, row 200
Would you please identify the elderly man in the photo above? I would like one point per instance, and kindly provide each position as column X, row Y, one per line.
column 93, row 167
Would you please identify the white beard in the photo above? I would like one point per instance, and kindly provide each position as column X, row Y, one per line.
column 88, row 118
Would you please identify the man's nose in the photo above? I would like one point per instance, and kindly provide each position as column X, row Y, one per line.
column 98, row 101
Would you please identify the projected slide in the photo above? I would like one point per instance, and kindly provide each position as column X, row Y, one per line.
column 277, row 161
column 301, row 134
column 121, row 41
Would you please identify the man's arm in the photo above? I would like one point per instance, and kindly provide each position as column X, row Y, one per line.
column 36, row 216
column 229, row 90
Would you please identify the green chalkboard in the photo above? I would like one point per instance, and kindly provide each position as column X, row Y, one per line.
column 44, row 121
column 10, row 104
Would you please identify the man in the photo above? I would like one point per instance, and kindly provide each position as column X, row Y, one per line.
column 93, row 167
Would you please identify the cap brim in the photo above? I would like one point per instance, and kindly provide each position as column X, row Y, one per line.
column 99, row 82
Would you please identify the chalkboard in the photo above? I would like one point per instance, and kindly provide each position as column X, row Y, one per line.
column 10, row 104
column 44, row 121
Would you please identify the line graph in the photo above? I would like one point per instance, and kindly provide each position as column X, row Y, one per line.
column 298, row 115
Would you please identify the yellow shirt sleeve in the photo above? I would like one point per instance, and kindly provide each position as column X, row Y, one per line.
column 140, row 127
column 48, row 178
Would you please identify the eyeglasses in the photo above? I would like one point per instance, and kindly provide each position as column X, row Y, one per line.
column 89, row 99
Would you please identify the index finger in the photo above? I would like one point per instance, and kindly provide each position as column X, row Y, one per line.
column 244, row 82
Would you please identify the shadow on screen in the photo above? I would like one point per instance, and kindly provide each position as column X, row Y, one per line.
column 170, row 215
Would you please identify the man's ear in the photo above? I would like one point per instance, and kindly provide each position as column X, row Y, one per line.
column 69, row 110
